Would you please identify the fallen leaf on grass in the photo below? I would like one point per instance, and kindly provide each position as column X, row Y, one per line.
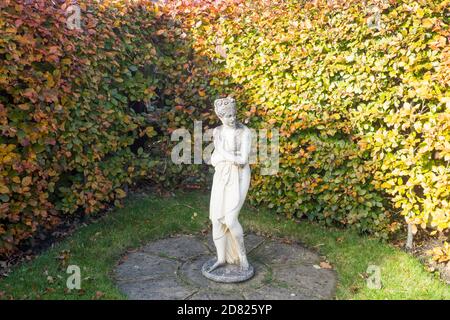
column 363, row 275
column 49, row 290
column 325, row 265
column 98, row 295
column 354, row 289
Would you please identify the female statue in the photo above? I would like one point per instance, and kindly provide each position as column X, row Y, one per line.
column 232, row 145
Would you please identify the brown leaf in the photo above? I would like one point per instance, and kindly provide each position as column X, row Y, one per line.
column 49, row 290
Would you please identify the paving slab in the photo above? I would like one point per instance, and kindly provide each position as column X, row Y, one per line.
column 171, row 269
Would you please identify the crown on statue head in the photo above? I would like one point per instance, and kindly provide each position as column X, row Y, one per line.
column 224, row 104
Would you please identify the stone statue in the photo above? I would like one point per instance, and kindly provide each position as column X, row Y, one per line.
column 232, row 145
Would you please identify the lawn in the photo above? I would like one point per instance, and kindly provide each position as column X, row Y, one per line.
column 96, row 248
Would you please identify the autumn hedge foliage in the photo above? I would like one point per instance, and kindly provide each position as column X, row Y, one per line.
column 363, row 108
column 363, row 111
column 67, row 130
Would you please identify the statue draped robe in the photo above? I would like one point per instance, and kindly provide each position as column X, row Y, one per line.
column 229, row 188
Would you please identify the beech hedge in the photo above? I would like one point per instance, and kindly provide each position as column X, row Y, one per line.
column 359, row 91
column 67, row 128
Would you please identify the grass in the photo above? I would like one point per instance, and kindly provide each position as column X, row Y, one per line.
column 97, row 248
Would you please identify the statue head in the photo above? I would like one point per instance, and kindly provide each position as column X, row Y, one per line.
column 225, row 109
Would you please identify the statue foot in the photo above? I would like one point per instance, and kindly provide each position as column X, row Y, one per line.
column 216, row 265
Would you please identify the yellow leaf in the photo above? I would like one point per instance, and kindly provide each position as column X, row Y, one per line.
column 7, row 158
column 120, row 193
column 427, row 23
column 26, row 181
column 385, row 185
column 50, row 81
column 4, row 189
column 150, row 132
column 420, row 12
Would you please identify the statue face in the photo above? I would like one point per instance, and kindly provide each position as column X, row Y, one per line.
column 229, row 118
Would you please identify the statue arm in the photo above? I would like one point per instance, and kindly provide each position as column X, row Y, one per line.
column 241, row 159
column 225, row 155
column 246, row 144
column 219, row 153
column 216, row 157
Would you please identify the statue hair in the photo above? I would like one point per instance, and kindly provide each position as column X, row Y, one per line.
column 221, row 106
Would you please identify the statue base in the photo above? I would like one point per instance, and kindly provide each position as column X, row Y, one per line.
column 227, row 273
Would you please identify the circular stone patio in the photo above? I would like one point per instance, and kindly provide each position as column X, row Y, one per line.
column 171, row 268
